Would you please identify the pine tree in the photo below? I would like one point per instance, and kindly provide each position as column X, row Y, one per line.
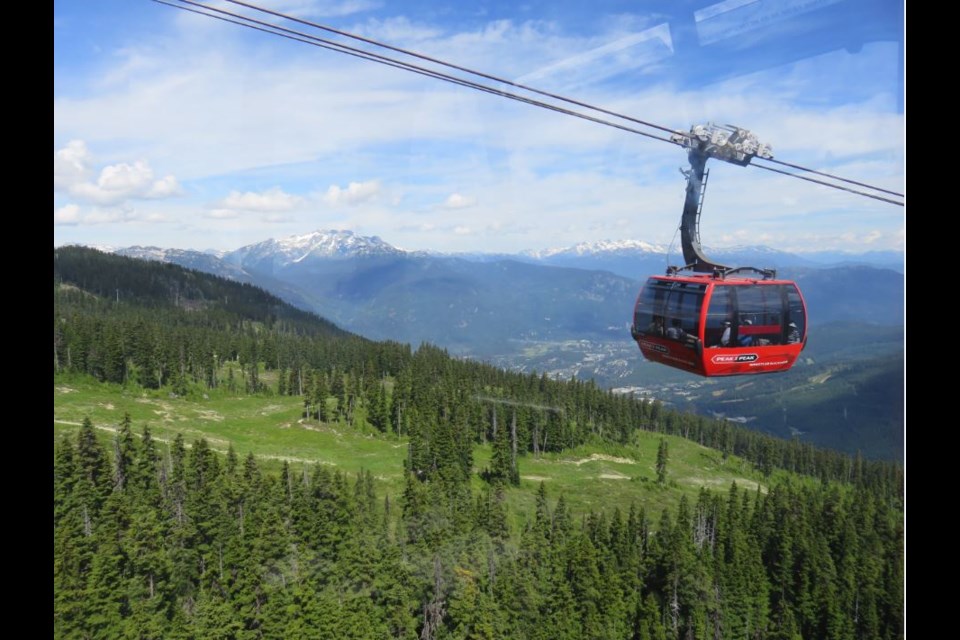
column 320, row 395
column 379, row 412
column 124, row 453
column 662, row 457
column 472, row 613
column 501, row 467
column 95, row 480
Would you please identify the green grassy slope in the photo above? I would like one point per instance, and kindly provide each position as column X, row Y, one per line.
column 591, row 478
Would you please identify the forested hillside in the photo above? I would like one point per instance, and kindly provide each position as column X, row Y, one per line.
column 180, row 541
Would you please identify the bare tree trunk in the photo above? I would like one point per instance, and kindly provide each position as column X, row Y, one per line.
column 434, row 610
column 118, row 476
column 675, row 607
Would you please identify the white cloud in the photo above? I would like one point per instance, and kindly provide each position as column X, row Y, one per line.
column 299, row 8
column 109, row 215
column 278, row 218
column 71, row 165
column 155, row 217
column 301, row 112
column 352, row 102
column 841, row 240
column 223, row 214
column 425, row 227
column 271, row 200
column 354, row 193
column 273, row 205
column 322, row 8
column 134, row 63
column 458, row 201
column 165, row 187
column 69, row 214
column 630, row 51
column 396, row 30
column 116, row 184
column 73, row 215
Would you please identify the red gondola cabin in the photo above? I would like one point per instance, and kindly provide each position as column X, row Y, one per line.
column 716, row 326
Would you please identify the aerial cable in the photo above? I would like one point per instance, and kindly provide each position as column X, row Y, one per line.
column 532, row 89
column 450, row 65
column 306, row 38
column 835, row 186
column 297, row 36
column 830, row 175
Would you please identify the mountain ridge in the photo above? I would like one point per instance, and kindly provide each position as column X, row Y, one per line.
column 342, row 243
column 481, row 305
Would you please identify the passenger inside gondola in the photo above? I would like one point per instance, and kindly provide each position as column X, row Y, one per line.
column 676, row 332
column 793, row 333
column 725, row 336
column 656, row 327
column 746, row 338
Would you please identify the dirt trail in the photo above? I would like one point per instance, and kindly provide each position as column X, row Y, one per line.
column 111, row 429
column 601, row 456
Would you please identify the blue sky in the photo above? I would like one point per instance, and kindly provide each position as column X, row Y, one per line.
column 176, row 130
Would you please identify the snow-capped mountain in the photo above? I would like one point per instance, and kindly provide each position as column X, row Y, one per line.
column 199, row 260
column 252, row 262
column 757, row 256
column 150, row 253
column 323, row 245
column 608, row 247
column 106, row 248
column 637, row 258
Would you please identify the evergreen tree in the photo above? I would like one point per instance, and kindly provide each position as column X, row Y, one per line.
column 320, row 398
column 662, row 457
column 501, row 460
column 95, row 479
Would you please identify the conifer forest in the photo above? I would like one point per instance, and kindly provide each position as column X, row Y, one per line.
column 175, row 539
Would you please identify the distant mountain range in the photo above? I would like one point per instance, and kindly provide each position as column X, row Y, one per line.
column 567, row 312
column 632, row 257
column 486, row 304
